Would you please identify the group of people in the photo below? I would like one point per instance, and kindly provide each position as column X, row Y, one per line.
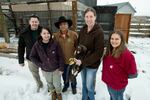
column 51, row 53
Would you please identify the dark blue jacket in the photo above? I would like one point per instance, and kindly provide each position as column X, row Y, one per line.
column 49, row 61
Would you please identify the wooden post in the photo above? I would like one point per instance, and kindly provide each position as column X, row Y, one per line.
column 13, row 20
column 139, row 26
column 74, row 15
column 1, row 21
column 128, row 28
column 49, row 15
column 4, row 27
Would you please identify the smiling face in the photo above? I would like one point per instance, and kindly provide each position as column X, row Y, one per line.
column 89, row 18
column 63, row 26
column 115, row 40
column 45, row 35
column 34, row 23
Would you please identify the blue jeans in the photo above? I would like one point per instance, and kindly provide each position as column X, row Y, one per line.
column 115, row 94
column 88, row 77
column 66, row 80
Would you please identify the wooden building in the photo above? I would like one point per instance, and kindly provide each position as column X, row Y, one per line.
column 17, row 12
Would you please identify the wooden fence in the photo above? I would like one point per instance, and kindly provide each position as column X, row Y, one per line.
column 140, row 24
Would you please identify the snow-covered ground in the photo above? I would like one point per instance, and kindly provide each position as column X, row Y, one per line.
column 16, row 83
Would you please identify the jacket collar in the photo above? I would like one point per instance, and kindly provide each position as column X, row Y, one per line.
column 95, row 27
column 67, row 34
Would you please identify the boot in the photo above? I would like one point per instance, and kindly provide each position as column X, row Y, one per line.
column 39, row 87
column 74, row 91
column 64, row 89
column 59, row 96
column 54, row 95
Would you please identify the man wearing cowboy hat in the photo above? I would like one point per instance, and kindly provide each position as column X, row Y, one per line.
column 68, row 42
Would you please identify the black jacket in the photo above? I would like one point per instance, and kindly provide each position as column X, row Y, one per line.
column 25, row 43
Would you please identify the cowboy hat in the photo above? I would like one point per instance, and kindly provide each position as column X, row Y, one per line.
column 63, row 19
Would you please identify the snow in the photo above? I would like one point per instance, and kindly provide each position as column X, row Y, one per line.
column 16, row 82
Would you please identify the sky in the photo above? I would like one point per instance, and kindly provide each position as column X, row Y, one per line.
column 141, row 6
column 16, row 82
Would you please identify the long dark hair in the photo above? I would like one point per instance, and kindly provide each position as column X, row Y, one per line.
column 49, row 31
column 116, row 53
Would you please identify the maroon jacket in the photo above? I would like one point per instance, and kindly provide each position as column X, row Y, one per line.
column 48, row 62
column 116, row 71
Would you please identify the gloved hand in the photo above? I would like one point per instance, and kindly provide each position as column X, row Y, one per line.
column 78, row 62
column 22, row 65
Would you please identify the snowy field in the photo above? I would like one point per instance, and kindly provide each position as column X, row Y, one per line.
column 16, row 83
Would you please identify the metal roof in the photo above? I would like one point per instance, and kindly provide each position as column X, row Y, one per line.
column 120, row 5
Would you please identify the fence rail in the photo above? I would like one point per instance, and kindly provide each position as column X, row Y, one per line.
column 140, row 24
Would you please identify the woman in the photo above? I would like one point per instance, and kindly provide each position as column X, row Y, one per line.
column 118, row 65
column 47, row 54
column 92, row 38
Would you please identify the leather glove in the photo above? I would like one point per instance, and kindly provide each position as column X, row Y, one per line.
column 78, row 62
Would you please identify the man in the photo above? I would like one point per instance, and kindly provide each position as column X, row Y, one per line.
column 26, row 40
column 68, row 41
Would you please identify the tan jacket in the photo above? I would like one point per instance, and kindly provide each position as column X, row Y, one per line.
column 68, row 44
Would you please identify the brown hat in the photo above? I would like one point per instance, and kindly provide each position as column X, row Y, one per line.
column 63, row 19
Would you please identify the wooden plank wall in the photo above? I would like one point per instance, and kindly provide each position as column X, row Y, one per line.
column 122, row 23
